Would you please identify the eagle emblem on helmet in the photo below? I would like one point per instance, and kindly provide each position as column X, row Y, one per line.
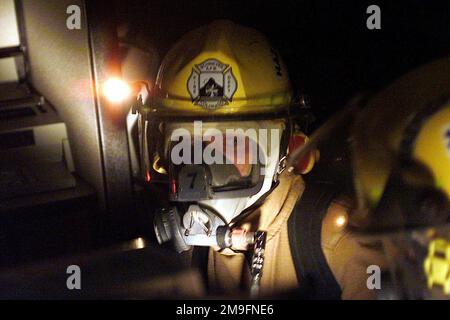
column 211, row 84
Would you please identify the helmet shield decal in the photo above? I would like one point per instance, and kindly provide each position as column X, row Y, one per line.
column 211, row 84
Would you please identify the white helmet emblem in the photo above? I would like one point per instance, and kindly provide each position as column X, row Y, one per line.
column 211, row 84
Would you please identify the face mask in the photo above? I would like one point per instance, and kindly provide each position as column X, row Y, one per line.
column 205, row 223
column 231, row 208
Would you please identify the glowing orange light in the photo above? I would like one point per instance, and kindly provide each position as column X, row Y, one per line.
column 147, row 176
column 116, row 90
column 341, row 221
column 139, row 243
column 174, row 186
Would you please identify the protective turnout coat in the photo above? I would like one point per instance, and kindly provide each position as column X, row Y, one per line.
column 347, row 256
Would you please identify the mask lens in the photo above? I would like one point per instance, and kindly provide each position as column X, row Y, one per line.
column 227, row 165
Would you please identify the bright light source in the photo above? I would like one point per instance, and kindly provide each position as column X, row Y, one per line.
column 139, row 243
column 116, row 90
column 341, row 221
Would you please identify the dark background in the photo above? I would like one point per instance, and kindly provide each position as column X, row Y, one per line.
column 330, row 53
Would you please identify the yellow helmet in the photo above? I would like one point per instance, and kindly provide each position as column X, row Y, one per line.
column 401, row 158
column 221, row 69
column 432, row 147
column 401, row 149
column 214, row 73
column 223, row 91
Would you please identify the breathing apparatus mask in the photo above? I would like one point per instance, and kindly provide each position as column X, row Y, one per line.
column 216, row 170
column 231, row 80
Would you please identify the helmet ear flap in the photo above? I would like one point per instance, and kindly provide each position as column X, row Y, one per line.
column 306, row 163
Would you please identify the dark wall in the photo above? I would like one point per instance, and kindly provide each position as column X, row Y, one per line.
column 326, row 45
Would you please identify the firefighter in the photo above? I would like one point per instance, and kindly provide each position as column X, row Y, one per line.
column 217, row 130
column 399, row 147
column 401, row 172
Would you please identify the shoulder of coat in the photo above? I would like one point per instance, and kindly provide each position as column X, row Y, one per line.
column 334, row 224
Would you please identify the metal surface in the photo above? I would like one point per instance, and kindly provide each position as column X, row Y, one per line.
column 105, row 63
column 10, row 51
column 59, row 69
column 68, row 68
column 257, row 263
